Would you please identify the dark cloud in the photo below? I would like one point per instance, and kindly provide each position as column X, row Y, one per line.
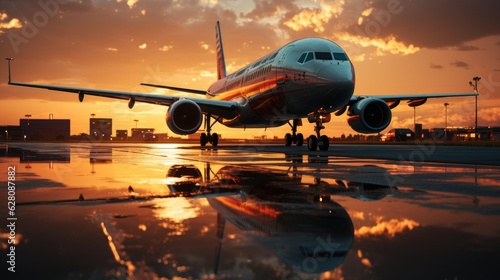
column 84, row 32
column 466, row 48
column 460, row 64
column 437, row 24
column 436, row 66
column 423, row 23
column 88, row 28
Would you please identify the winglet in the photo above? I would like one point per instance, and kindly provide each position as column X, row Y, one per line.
column 9, row 59
column 221, row 63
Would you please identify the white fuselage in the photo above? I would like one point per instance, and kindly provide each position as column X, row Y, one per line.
column 301, row 77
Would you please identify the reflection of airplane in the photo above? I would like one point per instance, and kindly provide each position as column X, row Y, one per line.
column 298, row 222
column 308, row 78
column 184, row 179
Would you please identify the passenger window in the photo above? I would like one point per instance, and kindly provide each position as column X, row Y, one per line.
column 301, row 58
column 309, row 57
column 340, row 56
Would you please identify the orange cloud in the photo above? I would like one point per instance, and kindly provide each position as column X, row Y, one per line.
column 357, row 215
column 390, row 228
column 12, row 24
column 316, row 18
column 490, row 114
column 204, row 45
column 364, row 261
column 165, row 48
column 383, row 45
column 131, row 3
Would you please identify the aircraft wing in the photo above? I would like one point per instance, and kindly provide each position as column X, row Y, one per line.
column 225, row 109
column 195, row 91
column 411, row 98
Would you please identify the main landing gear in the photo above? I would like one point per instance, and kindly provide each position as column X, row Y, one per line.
column 207, row 137
column 294, row 137
column 315, row 141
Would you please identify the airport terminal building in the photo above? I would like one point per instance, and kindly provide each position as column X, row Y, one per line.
column 45, row 129
column 100, row 128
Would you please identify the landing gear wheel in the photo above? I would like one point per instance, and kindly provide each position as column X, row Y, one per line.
column 215, row 139
column 324, row 143
column 294, row 137
column 207, row 137
column 203, row 139
column 288, row 139
column 300, row 139
column 312, row 143
column 319, row 117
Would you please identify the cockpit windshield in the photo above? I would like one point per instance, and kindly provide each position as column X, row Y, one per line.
column 307, row 56
column 340, row 56
column 323, row 55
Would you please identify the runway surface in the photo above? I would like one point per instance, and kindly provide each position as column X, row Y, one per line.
column 147, row 211
column 423, row 152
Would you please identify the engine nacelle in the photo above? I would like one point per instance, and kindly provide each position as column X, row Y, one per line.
column 369, row 115
column 184, row 117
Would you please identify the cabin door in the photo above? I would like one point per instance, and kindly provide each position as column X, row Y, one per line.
column 281, row 66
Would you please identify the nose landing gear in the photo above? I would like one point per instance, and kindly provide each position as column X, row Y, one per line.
column 321, row 141
column 314, row 141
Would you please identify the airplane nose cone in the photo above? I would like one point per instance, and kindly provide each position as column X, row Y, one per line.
column 336, row 72
column 339, row 78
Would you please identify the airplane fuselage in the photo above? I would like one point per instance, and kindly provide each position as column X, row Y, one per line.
column 301, row 77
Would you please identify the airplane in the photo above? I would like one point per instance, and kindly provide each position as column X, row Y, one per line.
column 282, row 215
column 307, row 78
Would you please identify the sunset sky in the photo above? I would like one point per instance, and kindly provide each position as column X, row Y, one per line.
column 397, row 47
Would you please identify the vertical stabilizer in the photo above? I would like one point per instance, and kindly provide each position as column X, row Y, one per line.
column 221, row 63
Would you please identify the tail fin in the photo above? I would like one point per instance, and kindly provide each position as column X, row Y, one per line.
column 221, row 63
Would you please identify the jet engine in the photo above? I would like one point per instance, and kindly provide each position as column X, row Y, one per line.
column 184, row 117
column 369, row 115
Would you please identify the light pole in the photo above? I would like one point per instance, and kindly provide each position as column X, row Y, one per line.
column 446, row 121
column 136, row 123
column 28, row 128
column 93, row 115
column 28, row 116
column 9, row 59
column 474, row 86
column 414, row 116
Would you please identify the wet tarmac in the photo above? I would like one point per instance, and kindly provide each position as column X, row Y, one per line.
column 173, row 211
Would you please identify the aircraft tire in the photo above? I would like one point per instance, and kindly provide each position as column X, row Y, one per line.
column 324, row 143
column 300, row 139
column 312, row 143
column 288, row 139
column 215, row 139
column 203, row 139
